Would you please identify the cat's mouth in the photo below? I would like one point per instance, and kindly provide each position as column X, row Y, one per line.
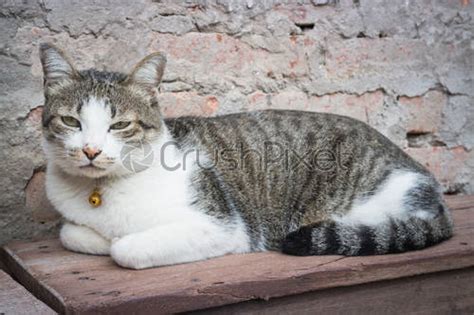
column 91, row 166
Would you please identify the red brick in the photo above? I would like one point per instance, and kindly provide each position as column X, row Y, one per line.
column 187, row 103
column 394, row 64
column 446, row 164
column 367, row 57
column 257, row 100
column 206, row 50
column 34, row 116
column 36, row 200
column 361, row 107
column 226, row 56
column 294, row 100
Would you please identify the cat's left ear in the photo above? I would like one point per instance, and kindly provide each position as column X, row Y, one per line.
column 149, row 71
column 56, row 66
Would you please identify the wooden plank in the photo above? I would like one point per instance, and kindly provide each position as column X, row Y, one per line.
column 15, row 299
column 2, row 266
column 448, row 292
column 460, row 202
column 75, row 283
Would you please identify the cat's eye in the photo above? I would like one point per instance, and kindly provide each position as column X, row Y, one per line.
column 120, row 125
column 71, row 121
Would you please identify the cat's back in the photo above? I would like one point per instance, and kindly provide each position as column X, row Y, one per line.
column 293, row 141
column 299, row 129
column 264, row 124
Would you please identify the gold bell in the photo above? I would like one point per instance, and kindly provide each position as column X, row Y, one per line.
column 95, row 199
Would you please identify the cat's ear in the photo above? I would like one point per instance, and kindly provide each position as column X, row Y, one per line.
column 149, row 71
column 56, row 66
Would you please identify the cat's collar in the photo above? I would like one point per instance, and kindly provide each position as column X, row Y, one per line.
column 95, row 198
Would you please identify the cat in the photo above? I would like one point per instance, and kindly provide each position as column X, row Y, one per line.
column 299, row 182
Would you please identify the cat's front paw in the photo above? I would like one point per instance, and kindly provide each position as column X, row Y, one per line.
column 82, row 239
column 129, row 252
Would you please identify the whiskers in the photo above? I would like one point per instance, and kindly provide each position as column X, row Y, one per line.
column 74, row 161
column 105, row 162
column 72, row 154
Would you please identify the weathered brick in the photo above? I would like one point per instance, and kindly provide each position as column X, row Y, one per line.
column 187, row 103
column 397, row 65
column 208, row 53
column 258, row 100
column 457, row 127
column 289, row 99
column 172, row 24
column 362, row 107
column 37, row 202
column 448, row 165
column 424, row 113
column 34, row 116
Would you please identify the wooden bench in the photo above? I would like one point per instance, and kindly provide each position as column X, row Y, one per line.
column 439, row 279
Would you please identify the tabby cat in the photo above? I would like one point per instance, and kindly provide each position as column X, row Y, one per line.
column 192, row 188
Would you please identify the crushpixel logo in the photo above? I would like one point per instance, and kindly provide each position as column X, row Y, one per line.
column 137, row 156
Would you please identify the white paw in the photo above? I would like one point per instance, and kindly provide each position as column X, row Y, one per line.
column 83, row 240
column 129, row 252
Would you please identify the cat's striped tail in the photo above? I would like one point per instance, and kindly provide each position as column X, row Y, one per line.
column 393, row 236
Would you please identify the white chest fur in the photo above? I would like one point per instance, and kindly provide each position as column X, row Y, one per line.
column 129, row 204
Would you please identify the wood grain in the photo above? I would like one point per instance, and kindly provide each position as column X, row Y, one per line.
column 449, row 292
column 75, row 283
column 460, row 202
column 15, row 299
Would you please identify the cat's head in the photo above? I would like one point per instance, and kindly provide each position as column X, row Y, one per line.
column 89, row 115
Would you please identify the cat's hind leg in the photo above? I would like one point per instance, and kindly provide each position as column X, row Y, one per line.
column 82, row 239
column 405, row 213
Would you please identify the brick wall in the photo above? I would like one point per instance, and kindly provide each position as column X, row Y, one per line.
column 404, row 67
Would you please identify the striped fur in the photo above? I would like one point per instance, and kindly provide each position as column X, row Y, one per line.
column 394, row 236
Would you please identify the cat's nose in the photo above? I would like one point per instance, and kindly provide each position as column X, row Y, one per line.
column 91, row 152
